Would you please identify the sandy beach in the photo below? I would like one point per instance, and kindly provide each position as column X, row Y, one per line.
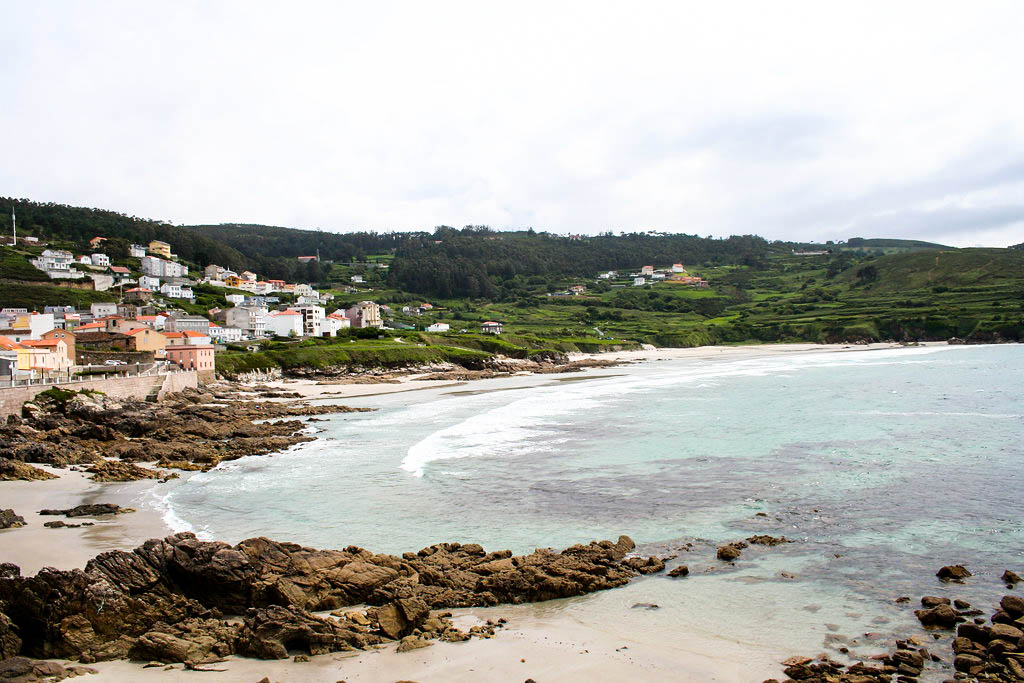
column 552, row 645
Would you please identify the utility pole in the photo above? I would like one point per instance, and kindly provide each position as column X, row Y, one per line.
column 14, row 226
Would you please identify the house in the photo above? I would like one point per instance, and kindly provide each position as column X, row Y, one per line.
column 252, row 320
column 358, row 279
column 213, row 272
column 156, row 267
column 101, row 309
column 647, row 270
column 312, row 319
column 192, row 357
column 160, row 248
column 120, row 272
column 285, row 323
column 578, row 289
column 146, row 339
column 43, row 355
column 101, row 260
column 180, row 322
column 307, row 259
column 138, row 294
column 234, row 281
column 304, row 290
column 67, row 337
column 335, row 322
column 186, row 338
column 658, row 276
column 365, row 314
column 96, row 241
column 136, row 251
column 173, row 291
column 54, row 260
column 438, row 327
column 29, row 325
column 149, row 282
column 89, row 327
column 84, row 260
column 235, row 299
column 276, row 285
column 491, row 327
column 678, row 268
column 607, row 276
column 100, row 341
column 639, row 281
column 224, row 335
column 249, row 276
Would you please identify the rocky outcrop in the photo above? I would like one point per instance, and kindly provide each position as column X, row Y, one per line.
column 193, row 430
column 25, row 670
column 954, row 572
column 14, row 470
column 167, row 599
column 978, row 651
column 9, row 520
column 89, row 510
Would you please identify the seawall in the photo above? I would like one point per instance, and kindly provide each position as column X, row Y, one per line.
column 139, row 387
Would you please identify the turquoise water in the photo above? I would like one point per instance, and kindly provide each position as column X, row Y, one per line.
column 882, row 465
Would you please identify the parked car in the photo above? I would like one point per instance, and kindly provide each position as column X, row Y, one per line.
column 113, row 361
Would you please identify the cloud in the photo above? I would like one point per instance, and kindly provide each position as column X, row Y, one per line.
column 796, row 120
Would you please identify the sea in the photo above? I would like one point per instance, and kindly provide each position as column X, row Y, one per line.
column 880, row 465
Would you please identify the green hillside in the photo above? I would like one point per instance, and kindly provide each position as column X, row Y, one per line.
column 925, row 269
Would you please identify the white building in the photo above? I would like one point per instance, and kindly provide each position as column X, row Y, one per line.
column 439, row 327
column 285, row 323
column 312, row 320
column 54, row 259
column 647, row 270
column 252, row 320
column 225, row 335
column 100, row 310
column 158, row 267
column 358, row 279
column 101, row 260
column 305, row 290
column 149, row 282
column 85, row 260
column 678, row 268
column 639, row 281
column 235, row 299
column 334, row 323
column 173, row 291
column 136, row 251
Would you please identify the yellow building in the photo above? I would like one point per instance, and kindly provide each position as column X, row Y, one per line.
column 159, row 248
column 145, row 339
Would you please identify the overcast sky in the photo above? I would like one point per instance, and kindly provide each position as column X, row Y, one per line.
column 793, row 120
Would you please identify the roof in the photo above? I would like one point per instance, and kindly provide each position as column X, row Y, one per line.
column 490, row 322
column 193, row 333
column 147, row 318
column 140, row 289
column 119, row 269
column 288, row 312
column 136, row 330
column 41, row 342
column 8, row 344
column 88, row 326
column 174, row 335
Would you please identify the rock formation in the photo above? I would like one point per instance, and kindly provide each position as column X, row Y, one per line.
column 167, row 599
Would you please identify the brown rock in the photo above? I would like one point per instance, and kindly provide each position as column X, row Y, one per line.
column 933, row 601
column 728, row 552
column 942, row 616
column 1012, row 605
column 9, row 520
column 1011, row 578
column 681, row 570
column 954, row 572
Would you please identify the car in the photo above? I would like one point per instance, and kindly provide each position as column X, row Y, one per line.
column 113, row 361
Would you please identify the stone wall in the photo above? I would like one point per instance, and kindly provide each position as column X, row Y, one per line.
column 11, row 399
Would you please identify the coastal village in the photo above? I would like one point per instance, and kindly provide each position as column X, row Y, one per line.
column 145, row 326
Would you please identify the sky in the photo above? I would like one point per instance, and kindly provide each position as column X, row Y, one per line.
column 808, row 121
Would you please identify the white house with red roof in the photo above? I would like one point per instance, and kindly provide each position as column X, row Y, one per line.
column 285, row 323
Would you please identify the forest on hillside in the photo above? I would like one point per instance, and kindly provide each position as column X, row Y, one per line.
column 479, row 262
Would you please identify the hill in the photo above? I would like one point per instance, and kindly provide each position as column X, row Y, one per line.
column 925, row 269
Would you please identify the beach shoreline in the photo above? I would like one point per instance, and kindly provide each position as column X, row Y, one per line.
column 552, row 645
